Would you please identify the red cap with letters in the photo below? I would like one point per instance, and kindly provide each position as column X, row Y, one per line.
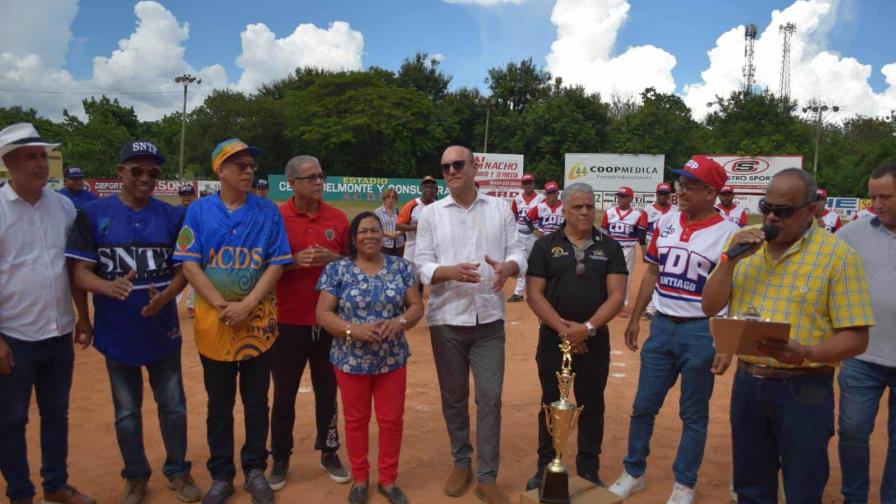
column 705, row 170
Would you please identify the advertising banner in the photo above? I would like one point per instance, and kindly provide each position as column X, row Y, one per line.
column 355, row 188
column 609, row 172
column 752, row 174
column 209, row 186
column 847, row 207
column 499, row 174
column 105, row 187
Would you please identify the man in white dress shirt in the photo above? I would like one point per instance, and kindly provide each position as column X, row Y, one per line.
column 36, row 318
column 467, row 248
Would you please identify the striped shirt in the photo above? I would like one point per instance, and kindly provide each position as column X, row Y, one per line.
column 818, row 286
column 388, row 218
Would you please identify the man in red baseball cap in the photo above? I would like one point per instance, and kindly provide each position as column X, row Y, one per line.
column 522, row 203
column 649, row 217
column 622, row 223
column 826, row 218
column 729, row 209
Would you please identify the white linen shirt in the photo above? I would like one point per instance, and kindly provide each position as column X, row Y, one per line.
column 448, row 234
column 35, row 300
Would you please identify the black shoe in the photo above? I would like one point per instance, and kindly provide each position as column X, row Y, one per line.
column 594, row 478
column 258, row 487
column 277, row 479
column 535, row 481
column 394, row 494
column 330, row 462
column 358, row 494
column 218, row 492
column 515, row 298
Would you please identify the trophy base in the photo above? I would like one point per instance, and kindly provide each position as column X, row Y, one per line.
column 554, row 487
column 581, row 491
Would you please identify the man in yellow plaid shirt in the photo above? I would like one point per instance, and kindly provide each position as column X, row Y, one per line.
column 782, row 406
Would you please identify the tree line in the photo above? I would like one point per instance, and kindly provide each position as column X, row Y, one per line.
column 382, row 123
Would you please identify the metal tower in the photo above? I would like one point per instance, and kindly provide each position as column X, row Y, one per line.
column 786, row 30
column 749, row 69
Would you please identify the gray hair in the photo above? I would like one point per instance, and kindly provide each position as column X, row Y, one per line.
column 576, row 188
column 293, row 165
column 811, row 194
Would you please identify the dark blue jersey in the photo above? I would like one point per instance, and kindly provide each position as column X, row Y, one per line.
column 117, row 240
column 80, row 199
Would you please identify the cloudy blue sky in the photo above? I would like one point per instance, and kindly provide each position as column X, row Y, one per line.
column 841, row 51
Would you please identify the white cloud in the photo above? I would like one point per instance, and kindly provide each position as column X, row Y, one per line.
column 266, row 57
column 484, row 3
column 815, row 71
column 145, row 63
column 583, row 51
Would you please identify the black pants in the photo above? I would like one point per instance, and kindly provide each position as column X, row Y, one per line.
column 591, row 371
column 220, row 384
column 296, row 346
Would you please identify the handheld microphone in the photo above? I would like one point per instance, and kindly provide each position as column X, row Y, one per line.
column 735, row 251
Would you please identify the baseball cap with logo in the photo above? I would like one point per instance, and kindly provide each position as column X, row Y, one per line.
column 551, row 186
column 705, row 170
column 822, row 194
column 72, row 172
column 625, row 191
column 726, row 189
column 136, row 148
column 664, row 187
column 428, row 180
column 230, row 147
column 186, row 189
column 528, row 178
column 259, row 183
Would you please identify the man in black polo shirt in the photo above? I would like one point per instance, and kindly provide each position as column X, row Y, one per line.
column 575, row 284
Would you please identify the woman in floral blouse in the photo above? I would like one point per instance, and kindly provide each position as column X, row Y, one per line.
column 367, row 301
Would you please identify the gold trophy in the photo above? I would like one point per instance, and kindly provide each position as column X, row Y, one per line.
column 560, row 417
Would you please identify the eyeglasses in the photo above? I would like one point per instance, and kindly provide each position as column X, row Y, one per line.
column 457, row 165
column 244, row 166
column 137, row 171
column 314, row 177
column 580, row 265
column 689, row 187
column 781, row 212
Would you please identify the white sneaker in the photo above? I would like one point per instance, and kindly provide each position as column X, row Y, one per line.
column 681, row 494
column 627, row 485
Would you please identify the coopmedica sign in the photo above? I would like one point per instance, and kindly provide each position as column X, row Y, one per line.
column 608, row 172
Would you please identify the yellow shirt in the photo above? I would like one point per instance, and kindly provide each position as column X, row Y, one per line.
column 817, row 286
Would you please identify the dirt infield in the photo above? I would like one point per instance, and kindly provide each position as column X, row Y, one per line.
column 95, row 462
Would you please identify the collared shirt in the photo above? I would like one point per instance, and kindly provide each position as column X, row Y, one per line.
column 817, row 286
column 234, row 248
column 296, row 292
column 448, row 234
column 80, row 199
column 575, row 296
column 546, row 218
column 877, row 246
column 35, row 300
column 388, row 218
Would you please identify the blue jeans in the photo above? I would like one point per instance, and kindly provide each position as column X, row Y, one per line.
column 127, row 395
column 861, row 386
column 786, row 424
column 46, row 366
column 671, row 350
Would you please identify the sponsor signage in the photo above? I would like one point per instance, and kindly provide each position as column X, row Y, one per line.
column 355, row 188
column 105, row 187
column 847, row 207
column 608, row 172
column 499, row 175
column 752, row 174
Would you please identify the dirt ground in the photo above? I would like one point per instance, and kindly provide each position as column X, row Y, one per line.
column 95, row 462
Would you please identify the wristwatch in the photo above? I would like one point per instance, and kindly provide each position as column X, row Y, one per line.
column 348, row 333
column 591, row 329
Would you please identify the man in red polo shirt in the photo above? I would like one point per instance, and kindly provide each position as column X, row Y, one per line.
column 318, row 235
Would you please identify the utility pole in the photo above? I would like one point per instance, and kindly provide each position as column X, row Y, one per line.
column 185, row 80
column 818, row 108
column 488, row 112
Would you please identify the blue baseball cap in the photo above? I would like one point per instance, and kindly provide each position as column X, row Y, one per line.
column 136, row 148
column 72, row 172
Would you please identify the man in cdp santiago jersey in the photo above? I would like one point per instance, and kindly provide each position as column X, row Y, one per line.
column 729, row 209
column 685, row 248
column 650, row 216
column 520, row 207
column 621, row 222
column 826, row 218
column 546, row 217
column 233, row 247
column 122, row 246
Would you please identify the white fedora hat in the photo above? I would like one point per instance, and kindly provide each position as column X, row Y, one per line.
column 21, row 135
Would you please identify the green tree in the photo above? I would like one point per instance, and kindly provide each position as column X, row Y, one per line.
column 516, row 85
column 422, row 73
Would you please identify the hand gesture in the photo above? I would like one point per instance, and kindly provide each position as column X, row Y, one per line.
column 306, row 258
column 6, row 361
column 631, row 334
column 365, row 332
column 575, row 334
column 121, row 287
column 750, row 236
column 235, row 313
column 465, row 272
column 156, row 302
column 580, row 349
column 388, row 329
column 503, row 271
column 83, row 332
column 785, row 352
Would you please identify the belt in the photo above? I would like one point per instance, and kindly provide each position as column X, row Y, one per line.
column 681, row 320
column 776, row 373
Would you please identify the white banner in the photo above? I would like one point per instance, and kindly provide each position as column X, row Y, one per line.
column 209, row 186
column 499, row 174
column 609, row 172
column 752, row 174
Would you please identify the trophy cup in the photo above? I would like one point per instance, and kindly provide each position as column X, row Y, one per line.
column 560, row 418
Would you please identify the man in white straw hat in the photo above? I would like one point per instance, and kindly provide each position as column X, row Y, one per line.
column 36, row 318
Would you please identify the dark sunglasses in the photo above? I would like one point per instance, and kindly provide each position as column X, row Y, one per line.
column 245, row 166
column 580, row 265
column 314, row 177
column 137, row 171
column 457, row 165
column 781, row 212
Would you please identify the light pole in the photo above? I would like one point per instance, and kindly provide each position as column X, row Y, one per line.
column 185, row 80
column 818, row 108
column 488, row 112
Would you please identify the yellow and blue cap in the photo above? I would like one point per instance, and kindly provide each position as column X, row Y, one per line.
column 230, row 147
